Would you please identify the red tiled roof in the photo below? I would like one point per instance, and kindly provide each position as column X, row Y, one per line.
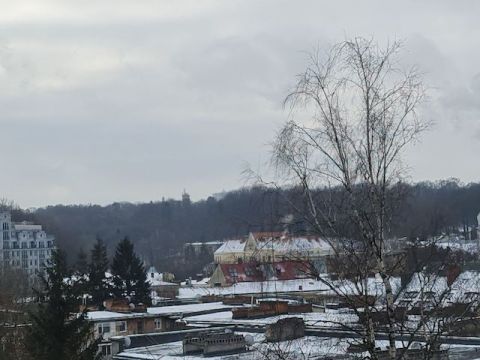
column 247, row 272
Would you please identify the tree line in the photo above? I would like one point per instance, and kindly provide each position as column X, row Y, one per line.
column 159, row 229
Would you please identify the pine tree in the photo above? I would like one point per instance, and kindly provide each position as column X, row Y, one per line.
column 129, row 276
column 57, row 331
column 98, row 285
column 81, row 265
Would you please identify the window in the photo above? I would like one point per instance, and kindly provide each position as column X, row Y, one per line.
column 411, row 294
column 233, row 272
column 122, row 326
column 140, row 326
column 103, row 328
column 106, row 349
column 158, row 324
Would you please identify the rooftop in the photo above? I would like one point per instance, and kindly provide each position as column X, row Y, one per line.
column 158, row 311
column 277, row 242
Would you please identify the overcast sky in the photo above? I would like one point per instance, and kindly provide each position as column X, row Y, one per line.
column 104, row 101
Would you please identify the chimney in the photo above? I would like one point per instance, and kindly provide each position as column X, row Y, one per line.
column 452, row 273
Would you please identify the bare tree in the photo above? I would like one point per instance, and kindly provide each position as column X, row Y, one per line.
column 364, row 115
column 14, row 291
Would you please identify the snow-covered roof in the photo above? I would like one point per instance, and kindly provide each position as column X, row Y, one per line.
column 155, row 311
column 255, row 287
column 294, row 244
column 111, row 315
column 193, row 282
column 329, row 318
column 205, row 243
column 186, row 309
column 155, row 278
column 280, row 243
column 305, row 347
column 375, row 287
column 236, row 245
column 427, row 283
column 464, row 286
column 459, row 244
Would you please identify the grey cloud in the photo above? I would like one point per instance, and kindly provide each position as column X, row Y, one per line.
column 125, row 101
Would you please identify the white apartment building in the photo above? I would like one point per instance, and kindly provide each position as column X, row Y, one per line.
column 24, row 245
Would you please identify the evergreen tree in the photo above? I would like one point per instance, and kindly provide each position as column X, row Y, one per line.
column 80, row 273
column 129, row 276
column 81, row 265
column 57, row 331
column 98, row 285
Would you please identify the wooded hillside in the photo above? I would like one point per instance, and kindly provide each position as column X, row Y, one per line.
column 160, row 229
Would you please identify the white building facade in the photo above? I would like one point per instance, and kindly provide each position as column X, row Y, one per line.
column 24, row 245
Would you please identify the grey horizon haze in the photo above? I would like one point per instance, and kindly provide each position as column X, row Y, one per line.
column 134, row 101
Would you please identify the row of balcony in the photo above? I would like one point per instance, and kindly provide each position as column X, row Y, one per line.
column 26, row 245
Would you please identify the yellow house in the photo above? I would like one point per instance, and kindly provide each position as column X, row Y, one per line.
column 271, row 247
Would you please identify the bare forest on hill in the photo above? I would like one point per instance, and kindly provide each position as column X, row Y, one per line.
column 159, row 229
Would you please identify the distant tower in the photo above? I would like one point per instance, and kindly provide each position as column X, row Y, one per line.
column 185, row 198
